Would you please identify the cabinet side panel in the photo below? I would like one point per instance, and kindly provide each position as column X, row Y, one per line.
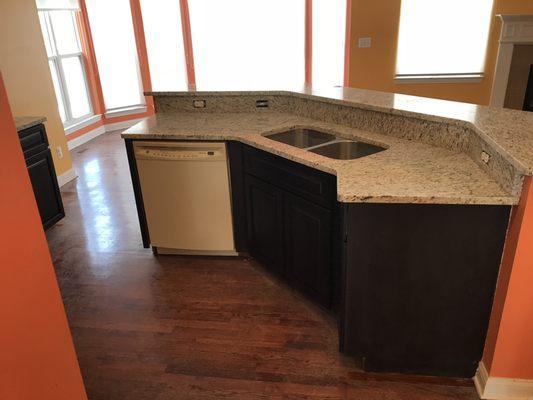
column 238, row 205
column 420, row 282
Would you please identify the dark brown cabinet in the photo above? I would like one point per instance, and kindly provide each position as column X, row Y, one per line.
column 419, row 282
column 42, row 174
column 308, row 256
column 264, row 208
column 289, row 228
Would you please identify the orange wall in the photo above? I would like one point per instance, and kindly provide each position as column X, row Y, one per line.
column 509, row 350
column 374, row 67
column 37, row 358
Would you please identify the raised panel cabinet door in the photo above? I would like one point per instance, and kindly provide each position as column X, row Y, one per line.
column 308, row 233
column 45, row 188
column 264, row 208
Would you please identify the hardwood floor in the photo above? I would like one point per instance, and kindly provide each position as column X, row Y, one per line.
column 167, row 327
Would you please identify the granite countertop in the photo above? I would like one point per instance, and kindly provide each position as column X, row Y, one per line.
column 510, row 132
column 27, row 122
column 407, row 172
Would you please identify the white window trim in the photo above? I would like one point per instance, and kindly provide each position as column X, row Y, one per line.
column 119, row 112
column 56, row 60
column 82, row 124
column 438, row 78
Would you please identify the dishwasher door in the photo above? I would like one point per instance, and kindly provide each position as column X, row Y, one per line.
column 186, row 194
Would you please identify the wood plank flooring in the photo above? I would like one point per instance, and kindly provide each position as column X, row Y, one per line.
column 167, row 327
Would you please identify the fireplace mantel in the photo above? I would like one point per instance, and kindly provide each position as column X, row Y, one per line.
column 516, row 29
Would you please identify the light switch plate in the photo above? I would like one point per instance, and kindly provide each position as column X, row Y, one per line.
column 364, row 42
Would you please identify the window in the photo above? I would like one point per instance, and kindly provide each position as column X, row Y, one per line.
column 164, row 43
column 65, row 59
column 443, row 38
column 329, row 35
column 116, row 53
column 248, row 44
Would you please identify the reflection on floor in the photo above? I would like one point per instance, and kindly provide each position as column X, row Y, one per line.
column 158, row 328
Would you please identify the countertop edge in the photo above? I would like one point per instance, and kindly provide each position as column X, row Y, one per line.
column 498, row 200
column 25, row 122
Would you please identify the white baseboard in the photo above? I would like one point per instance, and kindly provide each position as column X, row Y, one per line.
column 122, row 125
column 66, row 177
column 495, row 388
column 72, row 144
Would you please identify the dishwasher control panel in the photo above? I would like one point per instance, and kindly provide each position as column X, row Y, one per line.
column 177, row 152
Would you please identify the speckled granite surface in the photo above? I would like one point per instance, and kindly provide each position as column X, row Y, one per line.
column 509, row 132
column 27, row 122
column 407, row 172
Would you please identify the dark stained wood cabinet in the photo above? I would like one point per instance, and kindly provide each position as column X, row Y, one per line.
column 419, row 283
column 264, row 207
column 308, row 234
column 289, row 225
column 42, row 174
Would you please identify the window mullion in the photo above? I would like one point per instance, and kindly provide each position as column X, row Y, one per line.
column 308, row 42
column 51, row 34
column 84, row 71
column 187, row 42
column 74, row 23
column 63, row 84
column 60, row 73
column 62, row 87
column 347, row 35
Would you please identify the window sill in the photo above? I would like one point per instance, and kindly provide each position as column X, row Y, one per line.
column 119, row 112
column 82, row 124
column 467, row 78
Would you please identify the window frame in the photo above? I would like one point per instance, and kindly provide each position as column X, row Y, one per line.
column 308, row 60
column 56, row 60
column 134, row 108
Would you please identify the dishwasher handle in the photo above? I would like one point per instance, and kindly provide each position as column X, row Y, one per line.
column 180, row 153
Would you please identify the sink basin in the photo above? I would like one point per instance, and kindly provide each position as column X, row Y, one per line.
column 302, row 138
column 347, row 150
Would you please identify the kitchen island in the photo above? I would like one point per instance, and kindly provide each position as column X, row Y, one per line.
column 403, row 245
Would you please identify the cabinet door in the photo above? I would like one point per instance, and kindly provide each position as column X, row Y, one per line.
column 264, row 208
column 45, row 187
column 308, row 232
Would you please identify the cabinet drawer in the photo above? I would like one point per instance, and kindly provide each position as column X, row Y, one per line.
column 311, row 184
column 33, row 140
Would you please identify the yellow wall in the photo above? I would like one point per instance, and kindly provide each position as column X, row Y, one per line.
column 374, row 67
column 24, row 65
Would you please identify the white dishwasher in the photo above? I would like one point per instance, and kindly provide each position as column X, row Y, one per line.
column 186, row 194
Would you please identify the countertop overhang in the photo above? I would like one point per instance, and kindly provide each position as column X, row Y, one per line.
column 407, row 172
column 25, row 122
column 434, row 146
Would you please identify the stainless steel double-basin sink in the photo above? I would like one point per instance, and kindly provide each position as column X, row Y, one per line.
column 325, row 144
